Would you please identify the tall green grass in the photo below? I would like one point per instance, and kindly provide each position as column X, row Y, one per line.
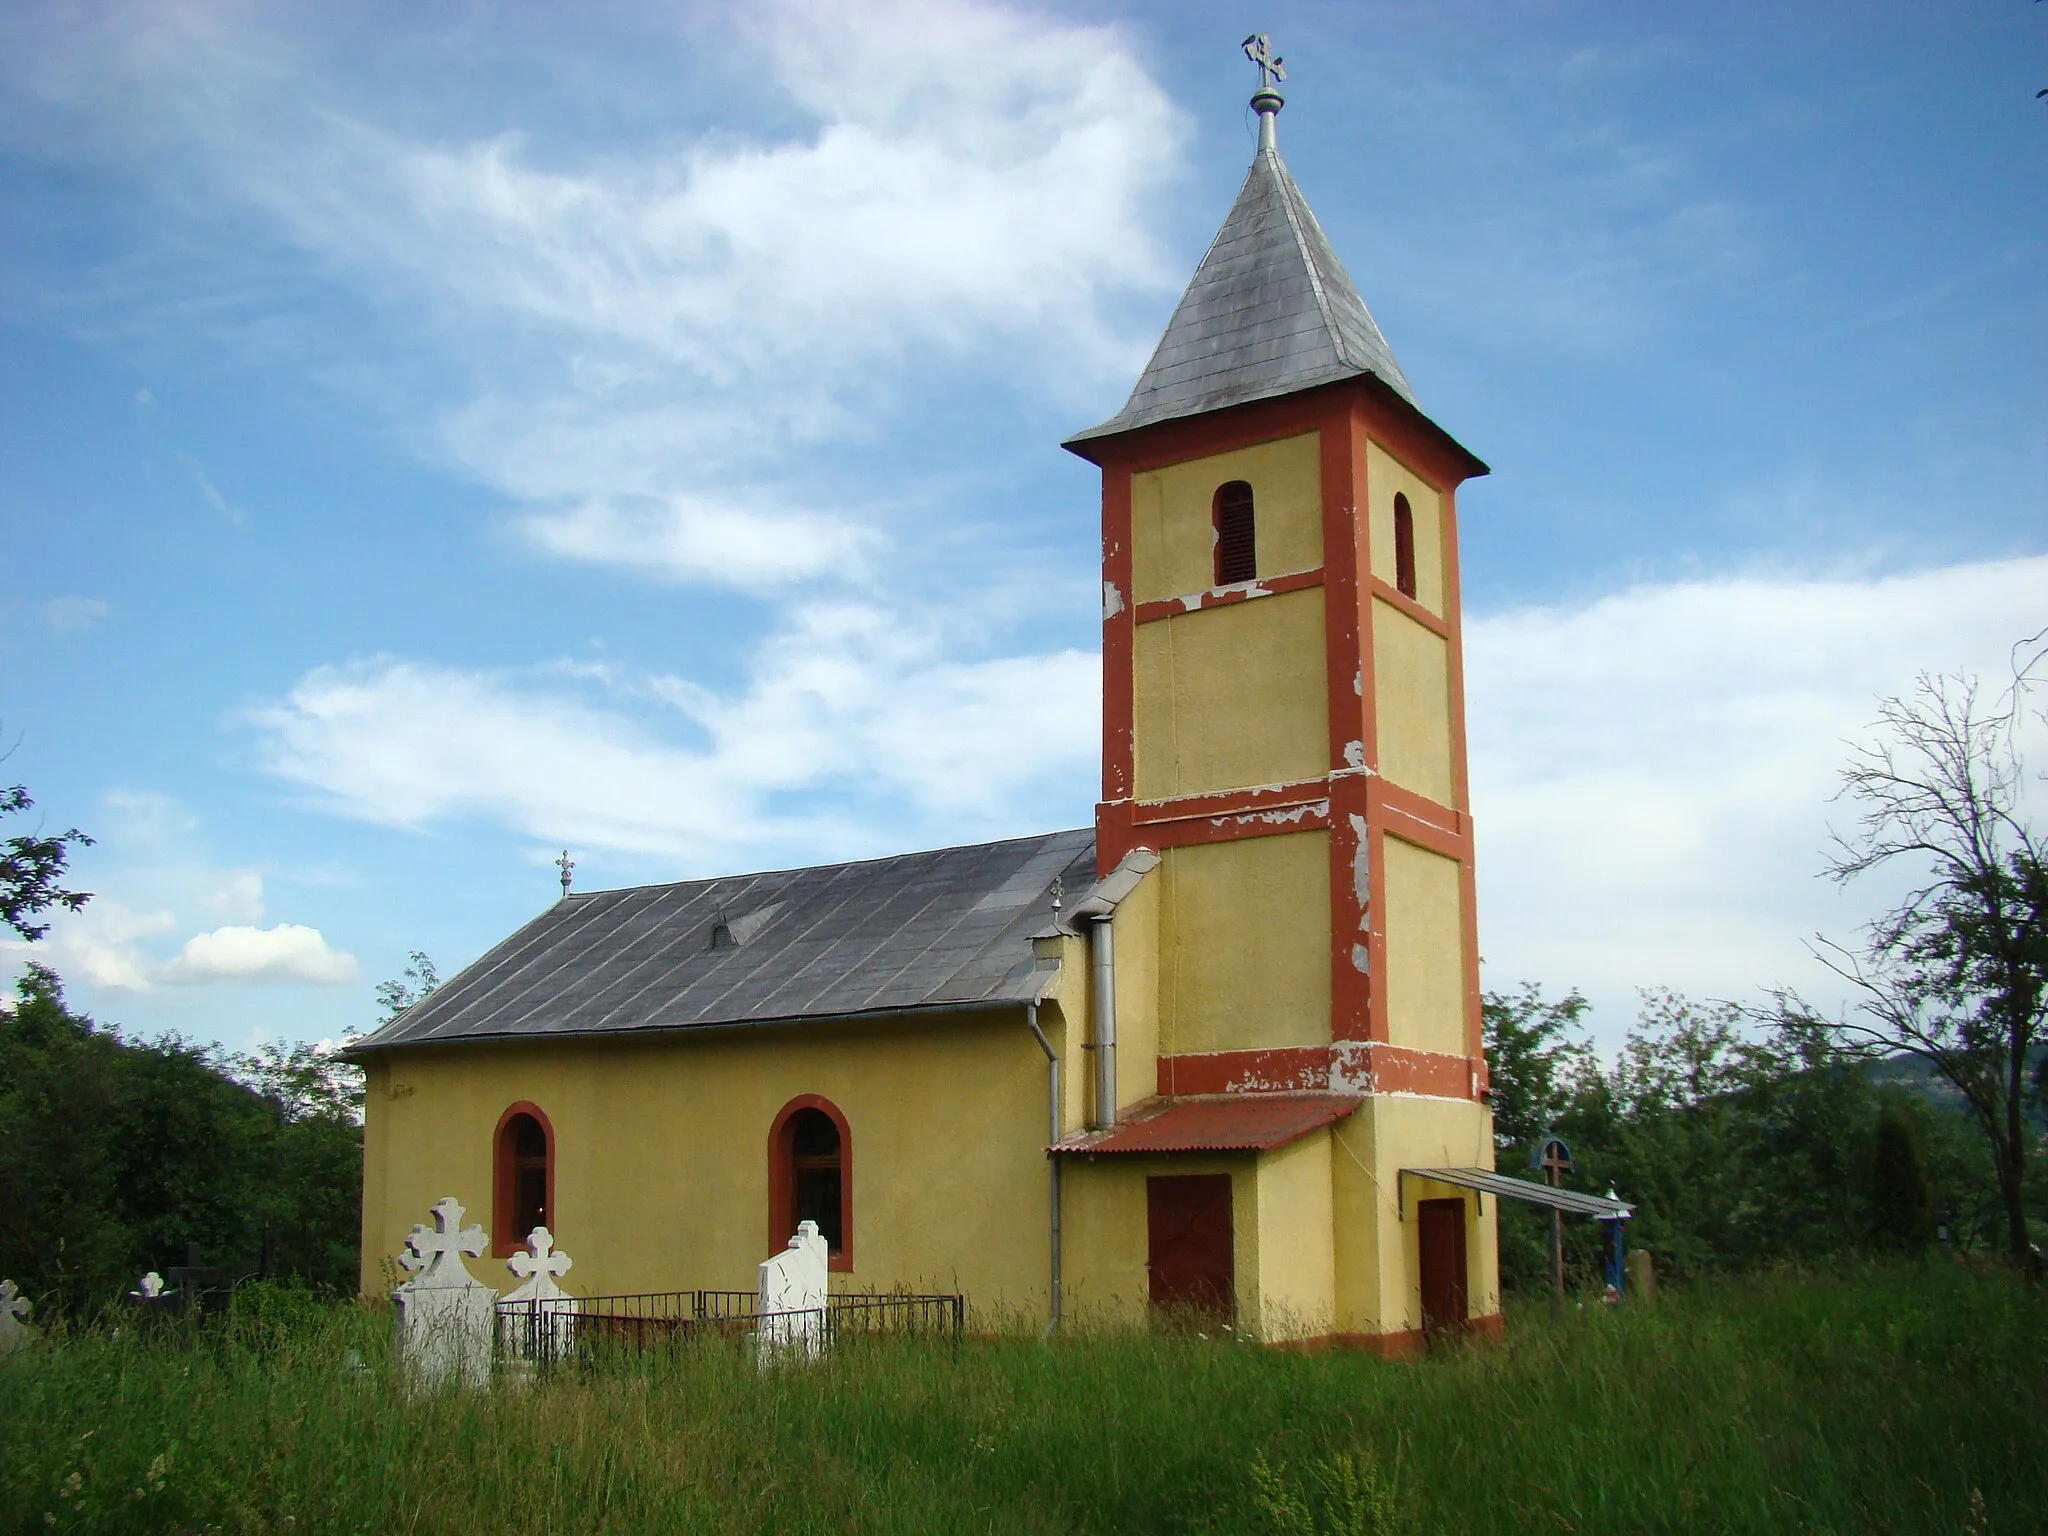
column 1883, row 1399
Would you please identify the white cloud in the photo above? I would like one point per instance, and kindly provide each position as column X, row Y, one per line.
column 289, row 952
column 653, row 323
column 100, row 945
column 1652, row 772
column 150, row 879
column 67, row 614
column 846, row 701
column 684, row 539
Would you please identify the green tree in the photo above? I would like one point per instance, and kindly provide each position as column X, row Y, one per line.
column 30, row 866
column 1901, row 1195
column 1536, row 1052
column 1956, row 972
column 415, row 983
column 116, row 1154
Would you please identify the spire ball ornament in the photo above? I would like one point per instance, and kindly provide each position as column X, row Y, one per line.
column 1266, row 101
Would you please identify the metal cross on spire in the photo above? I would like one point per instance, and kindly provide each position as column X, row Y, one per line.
column 1259, row 49
column 565, row 864
column 1266, row 101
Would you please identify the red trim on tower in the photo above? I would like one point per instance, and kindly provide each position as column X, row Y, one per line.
column 1394, row 598
column 1119, row 635
column 1221, row 597
column 1345, row 1067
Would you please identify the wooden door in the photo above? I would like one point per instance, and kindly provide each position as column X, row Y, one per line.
column 1440, row 1230
column 1188, row 1245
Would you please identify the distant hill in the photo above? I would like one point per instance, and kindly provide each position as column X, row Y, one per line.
column 1910, row 1071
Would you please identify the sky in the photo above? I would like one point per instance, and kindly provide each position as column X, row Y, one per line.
column 435, row 437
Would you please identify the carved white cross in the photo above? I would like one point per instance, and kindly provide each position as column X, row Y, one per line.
column 149, row 1287
column 1259, row 49
column 543, row 1260
column 428, row 1250
column 13, row 1305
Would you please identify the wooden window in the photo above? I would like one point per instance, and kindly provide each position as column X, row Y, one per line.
column 810, row 1176
column 523, row 1178
column 1404, row 545
column 1236, row 543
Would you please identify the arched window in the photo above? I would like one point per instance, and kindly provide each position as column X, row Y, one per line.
column 1236, row 544
column 1404, row 546
column 810, row 1176
column 523, row 1178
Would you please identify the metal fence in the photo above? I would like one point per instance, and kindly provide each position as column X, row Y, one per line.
column 545, row 1331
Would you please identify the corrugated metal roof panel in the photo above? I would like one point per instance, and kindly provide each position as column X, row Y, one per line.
column 1507, row 1187
column 947, row 928
column 1224, row 1122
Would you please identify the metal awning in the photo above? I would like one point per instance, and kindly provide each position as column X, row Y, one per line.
column 1218, row 1122
column 1487, row 1182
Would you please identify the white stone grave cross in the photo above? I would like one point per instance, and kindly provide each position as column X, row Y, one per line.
column 790, row 1307
column 149, row 1287
column 536, row 1317
column 443, row 1314
column 433, row 1251
column 14, row 1307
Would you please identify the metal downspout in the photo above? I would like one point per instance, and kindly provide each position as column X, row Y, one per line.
column 1052, row 1114
column 1102, row 972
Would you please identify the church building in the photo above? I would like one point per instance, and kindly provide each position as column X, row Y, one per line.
column 1220, row 1052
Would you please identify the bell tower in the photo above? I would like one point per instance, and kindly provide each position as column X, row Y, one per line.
column 1283, row 718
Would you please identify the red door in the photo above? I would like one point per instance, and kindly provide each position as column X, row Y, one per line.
column 1187, row 1243
column 1440, row 1230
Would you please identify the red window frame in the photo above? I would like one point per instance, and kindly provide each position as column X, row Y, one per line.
column 782, row 1178
column 505, row 1179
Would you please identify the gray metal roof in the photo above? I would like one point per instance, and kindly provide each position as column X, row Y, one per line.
column 949, row 928
column 1270, row 311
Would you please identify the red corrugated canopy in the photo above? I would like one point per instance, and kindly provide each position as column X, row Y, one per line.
column 1222, row 1122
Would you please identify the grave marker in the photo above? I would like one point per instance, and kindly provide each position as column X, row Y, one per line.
column 790, row 1306
column 536, row 1318
column 443, row 1315
column 14, row 1307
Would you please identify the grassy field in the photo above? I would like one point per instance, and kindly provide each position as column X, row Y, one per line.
column 1868, row 1400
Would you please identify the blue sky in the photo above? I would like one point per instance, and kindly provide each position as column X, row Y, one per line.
column 432, row 437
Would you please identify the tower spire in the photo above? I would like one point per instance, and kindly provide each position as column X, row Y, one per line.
column 1266, row 101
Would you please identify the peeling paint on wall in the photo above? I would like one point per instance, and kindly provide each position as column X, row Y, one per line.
column 1361, row 863
column 1361, row 959
column 1112, row 601
column 1354, row 754
column 1281, row 818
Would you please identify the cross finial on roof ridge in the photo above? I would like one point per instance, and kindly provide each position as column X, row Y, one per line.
column 1266, row 101
column 565, row 864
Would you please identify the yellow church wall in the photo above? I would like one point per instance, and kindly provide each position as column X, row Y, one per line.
column 1244, row 928
column 1385, row 478
column 1105, row 1235
column 1378, row 1262
column 1425, row 929
column 1173, row 516
column 1296, row 1241
column 1135, row 936
column 661, row 1171
column 1230, row 697
column 1412, row 695
column 1063, row 1015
